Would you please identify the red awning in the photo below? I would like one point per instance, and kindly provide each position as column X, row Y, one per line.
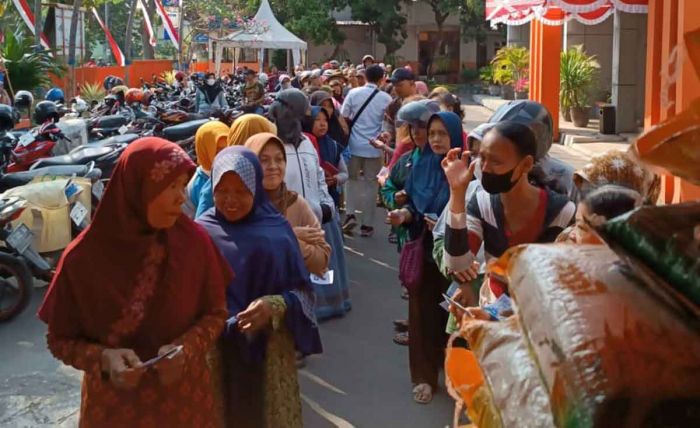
column 556, row 12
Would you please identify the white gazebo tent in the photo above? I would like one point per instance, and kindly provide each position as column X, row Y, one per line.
column 274, row 36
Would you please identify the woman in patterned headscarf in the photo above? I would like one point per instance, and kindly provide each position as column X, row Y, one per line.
column 161, row 285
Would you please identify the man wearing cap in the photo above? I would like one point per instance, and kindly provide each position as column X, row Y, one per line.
column 364, row 109
column 404, row 82
column 367, row 61
column 335, row 65
column 253, row 92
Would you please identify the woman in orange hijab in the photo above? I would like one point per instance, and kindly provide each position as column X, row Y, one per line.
column 210, row 139
column 248, row 125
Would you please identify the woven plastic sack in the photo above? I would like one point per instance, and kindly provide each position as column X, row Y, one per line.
column 510, row 373
column 610, row 353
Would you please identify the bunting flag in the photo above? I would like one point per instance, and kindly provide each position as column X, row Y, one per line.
column 147, row 21
column 26, row 13
column 116, row 51
column 168, row 24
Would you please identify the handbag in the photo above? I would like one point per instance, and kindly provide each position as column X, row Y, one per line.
column 411, row 263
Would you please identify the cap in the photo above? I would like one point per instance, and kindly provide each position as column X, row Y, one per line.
column 401, row 74
column 367, row 57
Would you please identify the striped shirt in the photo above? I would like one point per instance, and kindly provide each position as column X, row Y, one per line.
column 484, row 222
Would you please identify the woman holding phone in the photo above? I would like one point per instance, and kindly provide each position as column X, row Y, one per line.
column 141, row 281
column 270, row 301
column 427, row 193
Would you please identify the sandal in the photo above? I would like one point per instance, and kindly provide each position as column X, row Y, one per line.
column 401, row 339
column 401, row 326
column 423, row 393
column 404, row 293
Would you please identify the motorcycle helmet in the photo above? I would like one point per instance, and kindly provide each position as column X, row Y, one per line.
column 417, row 113
column 133, row 96
column 179, row 76
column 184, row 103
column 7, row 118
column 147, row 97
column 112, row 81
column 110, row 100
column 532, row 114
column 24, row 100
column 55, row 95
column 45, row 110
column 119, row 88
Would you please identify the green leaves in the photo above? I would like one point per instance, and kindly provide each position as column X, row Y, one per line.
column 578, row 74
column 511, row 65
column 26, row 68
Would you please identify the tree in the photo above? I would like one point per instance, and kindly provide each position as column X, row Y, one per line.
column 473, row 21
column 386, row 20
column 442, row 9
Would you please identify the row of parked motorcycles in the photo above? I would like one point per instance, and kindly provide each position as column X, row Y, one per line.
column 52, row 176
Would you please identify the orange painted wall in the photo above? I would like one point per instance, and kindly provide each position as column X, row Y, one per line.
column 545, row 45
column 225, row 66
column 668, row 21
column 138, row 69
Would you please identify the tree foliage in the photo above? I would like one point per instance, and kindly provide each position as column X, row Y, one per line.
column 26, row 68
column 386, row 19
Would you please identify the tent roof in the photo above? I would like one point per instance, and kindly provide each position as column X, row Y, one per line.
column 276, row 37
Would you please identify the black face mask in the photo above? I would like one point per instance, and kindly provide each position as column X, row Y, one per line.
column 497, row 183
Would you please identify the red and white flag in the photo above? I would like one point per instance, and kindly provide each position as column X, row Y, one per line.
column 147, row 21
column 26, row 13
column 168, row 24
column 116, row 51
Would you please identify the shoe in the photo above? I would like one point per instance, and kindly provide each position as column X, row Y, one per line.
column 366, row 231
column 404, row 293
column 349, row 224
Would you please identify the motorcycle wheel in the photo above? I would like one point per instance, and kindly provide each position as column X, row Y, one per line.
column 16, row 286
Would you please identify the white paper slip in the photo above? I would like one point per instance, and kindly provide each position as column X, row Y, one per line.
column 78, row 213
column 26, row 139
column 326, row 279
column 98, row 189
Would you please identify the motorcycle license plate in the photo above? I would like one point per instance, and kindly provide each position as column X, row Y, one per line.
column 26, row 139
column 21, row 238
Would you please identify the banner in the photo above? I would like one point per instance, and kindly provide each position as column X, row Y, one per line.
column 26, row 13
column 116, row 51
column 168, row 24
column 147, row 21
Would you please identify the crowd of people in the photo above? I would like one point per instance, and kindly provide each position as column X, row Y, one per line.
column 213, row 276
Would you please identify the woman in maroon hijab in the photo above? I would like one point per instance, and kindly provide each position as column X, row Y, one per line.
column 140, row 281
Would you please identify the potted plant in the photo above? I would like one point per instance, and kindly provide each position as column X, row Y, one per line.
column 579, row 72
column 511, row 64
column 486, row 76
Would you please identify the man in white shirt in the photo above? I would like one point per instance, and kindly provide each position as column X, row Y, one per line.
column 366, row 161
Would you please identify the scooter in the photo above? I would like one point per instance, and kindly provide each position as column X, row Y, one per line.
column 17, row 260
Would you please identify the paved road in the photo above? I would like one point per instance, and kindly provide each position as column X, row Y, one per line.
column 360, row 380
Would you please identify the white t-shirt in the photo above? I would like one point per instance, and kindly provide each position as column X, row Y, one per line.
column 369, row 124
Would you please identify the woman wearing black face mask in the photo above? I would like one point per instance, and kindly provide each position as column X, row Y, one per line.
column 513, row 207
column 210, row 95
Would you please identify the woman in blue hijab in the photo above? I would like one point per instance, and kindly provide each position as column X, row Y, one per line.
column 270, row 301
column 428, row 193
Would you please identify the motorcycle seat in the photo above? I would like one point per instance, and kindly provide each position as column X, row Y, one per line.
column 79, row 156
column 183, row 131
column 9, row 181
column 113, row 121
column 117, row 139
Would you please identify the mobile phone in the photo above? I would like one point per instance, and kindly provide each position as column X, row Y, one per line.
column 431, row 216
column 169, row 355
column 454, row 302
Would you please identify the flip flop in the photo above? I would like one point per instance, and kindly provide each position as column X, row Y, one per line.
column 401, row 326
column 401, row 339
column 423, row 393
